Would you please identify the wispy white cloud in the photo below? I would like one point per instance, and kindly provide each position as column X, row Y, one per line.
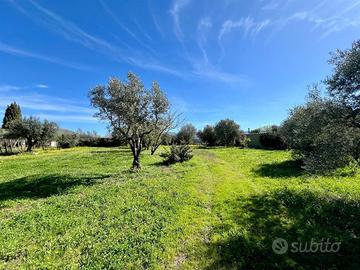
column 76, row 118
column 270, row 6
column 155, row 66
column 41, row 86
column 115, row 18
column 7, row 88
column 38, row 102
column 156, row 22
column 10, row 88
column 202, row 67
column 8, row 49
column 248, row 24
column 72, row 32
column 175, row 10
column 203, row 27
column 328, row 25
column 212, row 73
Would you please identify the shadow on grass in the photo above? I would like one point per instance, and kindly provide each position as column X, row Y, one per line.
column 284, row 169
column 296, row 217
column 111, row 150
column 34, row 187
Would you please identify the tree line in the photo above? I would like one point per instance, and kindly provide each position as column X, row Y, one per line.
column 23, row 134
column 323, row 134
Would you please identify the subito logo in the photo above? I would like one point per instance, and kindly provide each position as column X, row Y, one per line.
column 280, row 246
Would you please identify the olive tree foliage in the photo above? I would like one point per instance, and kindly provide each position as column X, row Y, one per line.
column 48, row 132
column 344, row 84
column 168, row 122
column 186, row 134
column 325, row 132
column 321, row 134
column 33, row 131
column 228, row 133
column 208, row 135
column 132, row 111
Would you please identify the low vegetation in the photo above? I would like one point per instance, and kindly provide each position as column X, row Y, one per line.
column 325, row 132
column 177, row 153
column 83, row 208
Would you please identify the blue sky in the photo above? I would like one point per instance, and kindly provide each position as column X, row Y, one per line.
column 246, row 60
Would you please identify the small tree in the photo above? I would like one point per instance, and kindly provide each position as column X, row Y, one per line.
column 32, row 130
column 12, row 113
column 187, row 134
column 132, row 111
column 228, row 132
column 48, row 132
column 208, row 135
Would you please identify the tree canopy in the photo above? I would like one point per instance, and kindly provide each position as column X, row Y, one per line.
column 131, row 110
column 33, row 131
column 12, row 113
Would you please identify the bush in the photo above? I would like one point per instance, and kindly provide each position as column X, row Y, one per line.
column 178, row 153
column 68, row 140
column 320, row 134
column 272, row 141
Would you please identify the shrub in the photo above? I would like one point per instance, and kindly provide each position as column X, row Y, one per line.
column 178, row 153
column 272, row 141
column 68, row 140
column 320, row 134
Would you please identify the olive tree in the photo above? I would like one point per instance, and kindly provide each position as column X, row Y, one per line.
column 320, row 135
column 48, row 132
column 33, row 131
column 228, row 133
column 186, row 134
column 207, row 135
column 325, row 131
column 344, row 84
column 164, row 125
column 133, row 112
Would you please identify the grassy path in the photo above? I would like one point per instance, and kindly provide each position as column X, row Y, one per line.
column 82, row 209
column 252, row 198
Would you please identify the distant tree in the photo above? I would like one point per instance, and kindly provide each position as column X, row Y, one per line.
column 67, row 140
column 168, row 138
column 12, row 113
column 32, row 130
column 187, row 134
column 208, row 135
column 228, row 132
column 132, row 111
column 48, row 132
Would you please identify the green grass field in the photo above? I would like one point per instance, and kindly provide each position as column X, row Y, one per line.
column 83, row 208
